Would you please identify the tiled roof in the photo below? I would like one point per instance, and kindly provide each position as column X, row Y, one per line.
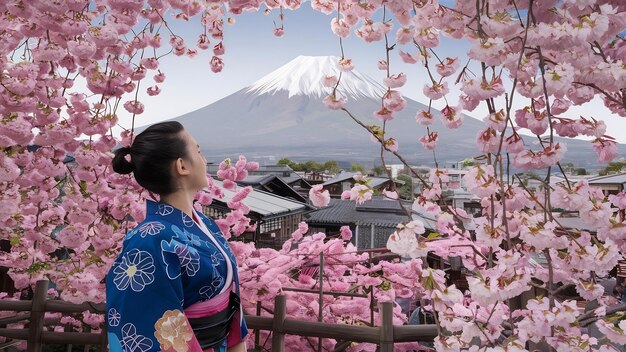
column 615, row 179
column 292, row 179
column 381, row 205
column 257, row 179
column 343, row 212
column 343, row 176
column 264, row 203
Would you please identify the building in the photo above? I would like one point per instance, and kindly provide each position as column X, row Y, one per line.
column 274, row 185
column 276, row 217
column 610, row 184
column 282, row 172
column 344, row 181
column 462, row 199
column 371, row 222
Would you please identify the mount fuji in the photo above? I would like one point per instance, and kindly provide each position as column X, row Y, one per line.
column 282, row 114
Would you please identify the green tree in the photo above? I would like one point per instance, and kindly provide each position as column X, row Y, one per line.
column 332, row 166
column 613, row 168
column 287, row 162
column 378, row 170
column 312, row 165
column 467, row 163
column 580, row 171
column 357, row 168
column 405, row 191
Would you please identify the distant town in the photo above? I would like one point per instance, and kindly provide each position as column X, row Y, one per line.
column 280, row 197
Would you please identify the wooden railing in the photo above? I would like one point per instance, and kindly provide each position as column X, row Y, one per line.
column 35, row 334
column 385, row 335
column 32, row 313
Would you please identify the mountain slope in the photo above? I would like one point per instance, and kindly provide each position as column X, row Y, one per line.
column 283, row 114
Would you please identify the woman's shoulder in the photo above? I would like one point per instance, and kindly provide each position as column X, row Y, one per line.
column 150, row 231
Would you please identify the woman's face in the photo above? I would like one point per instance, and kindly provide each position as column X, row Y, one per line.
column 198, row 177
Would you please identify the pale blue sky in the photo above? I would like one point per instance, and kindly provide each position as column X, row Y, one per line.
column 252, row 51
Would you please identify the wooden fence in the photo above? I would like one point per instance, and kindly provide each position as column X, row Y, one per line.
column 32, row 312
column 384, row 336
column 35, row 335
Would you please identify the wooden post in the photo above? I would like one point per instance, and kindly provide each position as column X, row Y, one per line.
column 371, row 297
column 386, row 329
column 280, row 311
column 321, row 298
column 35, row 326
column 257, row 332
column 104, row 337
column 86, row 347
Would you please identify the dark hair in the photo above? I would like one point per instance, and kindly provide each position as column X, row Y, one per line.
column 151, row 156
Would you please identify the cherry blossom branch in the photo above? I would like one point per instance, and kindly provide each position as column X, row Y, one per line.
column 607, row 95
column 589, row 317
column 402, row 160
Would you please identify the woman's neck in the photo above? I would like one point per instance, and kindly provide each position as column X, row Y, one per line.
column 182, row 200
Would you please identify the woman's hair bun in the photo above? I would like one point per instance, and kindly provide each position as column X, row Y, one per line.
column 120, row 164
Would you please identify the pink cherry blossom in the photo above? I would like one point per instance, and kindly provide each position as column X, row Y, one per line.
column 407, row 58
column 395, row 81
column 404, row 35
column 203, row 42
column 429, row 142
column 335, row 102
column 318, row 196
column 134, row 107
column 216, row 64
column 346, row 233
column 393, row 101
column 488, row 140
column 345, row 65
column 330, row 81
column 340, row 27
column 482, row 90
column 360, row 193
column 154, row 90
column 404, row 240
column 384, row 114
column 606, row 150
column 219, row 49
column 391, row 144
column 427, row 37
column 448, row 67
column 436, row 91
column 496, row 121
column 451, row 118
column 424, row 118
column 160, row 77
column 279, row 32
column 372, row 31
column 390, row 194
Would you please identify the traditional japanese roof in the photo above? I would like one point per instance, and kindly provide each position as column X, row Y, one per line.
column 264, row 203
column 272, row 184
column 296, row 178
column 609, row 179
column 573, row 221
column 344, row 176
column 345, row 212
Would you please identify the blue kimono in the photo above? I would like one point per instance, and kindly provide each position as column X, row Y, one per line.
column 168, row 263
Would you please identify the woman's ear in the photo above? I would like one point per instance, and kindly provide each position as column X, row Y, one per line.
column 182, row 167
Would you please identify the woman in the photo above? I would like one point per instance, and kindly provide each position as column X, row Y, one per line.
column 174, row 286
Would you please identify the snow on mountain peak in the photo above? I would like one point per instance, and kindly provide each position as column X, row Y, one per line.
column 304, row 74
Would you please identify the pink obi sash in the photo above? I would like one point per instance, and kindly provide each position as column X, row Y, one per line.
column 210, row 307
